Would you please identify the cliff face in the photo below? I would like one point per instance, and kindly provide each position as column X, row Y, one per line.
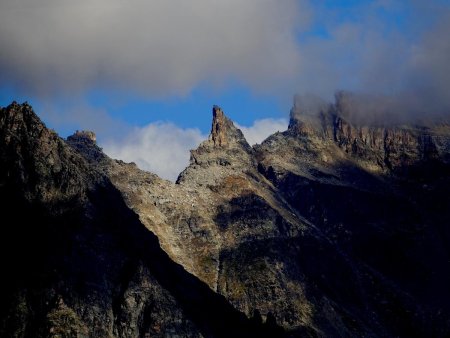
column 379, row 145
column 331, row 228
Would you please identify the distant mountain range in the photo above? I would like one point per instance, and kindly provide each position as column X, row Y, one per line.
column 332, row 228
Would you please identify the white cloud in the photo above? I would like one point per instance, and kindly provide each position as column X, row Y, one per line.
column 161, row 148
column 263, row 128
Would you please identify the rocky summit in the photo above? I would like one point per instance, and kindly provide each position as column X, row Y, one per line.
column 336, row 227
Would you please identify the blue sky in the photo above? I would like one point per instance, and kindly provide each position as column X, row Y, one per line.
column 118, row 68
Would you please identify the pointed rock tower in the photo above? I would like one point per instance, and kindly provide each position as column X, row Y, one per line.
column 226, row 149
column 223, row 132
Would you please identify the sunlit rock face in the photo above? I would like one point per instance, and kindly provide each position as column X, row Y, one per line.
column 335, row 227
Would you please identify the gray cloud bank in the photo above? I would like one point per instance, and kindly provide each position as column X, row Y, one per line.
column 163, row 48
column 403, row 72
column 153, row 48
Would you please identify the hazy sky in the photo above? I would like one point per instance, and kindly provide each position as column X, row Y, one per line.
column 136, row 71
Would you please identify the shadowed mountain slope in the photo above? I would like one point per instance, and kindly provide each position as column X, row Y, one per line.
column 78, row 262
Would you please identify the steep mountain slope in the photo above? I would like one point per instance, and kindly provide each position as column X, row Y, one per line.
column 77, row 262
column 379, row 193
column 292, row 228
column 332, row 228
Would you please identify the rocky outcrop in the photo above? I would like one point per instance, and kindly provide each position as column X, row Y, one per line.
column 224, row 133
column 83, row 136
column 220, row 128
column 226, row 150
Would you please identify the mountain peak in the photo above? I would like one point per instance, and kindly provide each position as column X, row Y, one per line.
column 225, row 147
column 15, row 116
column 219, row 127
column 84, row 136
column 308, row 115
column 85, row 142
column 224, row 133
